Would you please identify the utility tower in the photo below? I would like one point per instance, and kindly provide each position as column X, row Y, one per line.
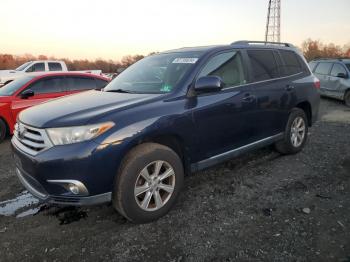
column 273, row 24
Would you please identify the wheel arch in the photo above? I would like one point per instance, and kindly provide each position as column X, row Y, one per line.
column 306, row 107
column 6, row 125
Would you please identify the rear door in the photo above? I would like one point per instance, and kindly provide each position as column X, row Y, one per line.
column 337, row 85
column 44, row 89
column 322, row 72
column 272, row 92
column 76, row 84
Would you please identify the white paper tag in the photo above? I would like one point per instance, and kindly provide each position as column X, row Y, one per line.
column 184, row 60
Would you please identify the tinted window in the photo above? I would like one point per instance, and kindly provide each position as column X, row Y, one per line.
column 312, row 65
column 48, row 85
column 80, row 83
column 100, row 83
column 13, row 86
column 264, row 65
column 338, row 69
column 38, row 67
column 291, row 63
column 323, row 68
column 55, row 67
column 228, row 66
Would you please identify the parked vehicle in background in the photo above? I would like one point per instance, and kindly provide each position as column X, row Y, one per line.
column 169, row 114
column 31, row 90
column 334, row 75
column 37, row 67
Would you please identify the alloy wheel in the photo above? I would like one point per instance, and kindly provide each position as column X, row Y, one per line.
column 154, row 185
column 298, row 130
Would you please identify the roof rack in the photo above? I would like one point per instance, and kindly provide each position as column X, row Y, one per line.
column 245, row 42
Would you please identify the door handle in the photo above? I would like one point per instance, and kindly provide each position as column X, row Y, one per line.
column 289, row 87
column 248, row 98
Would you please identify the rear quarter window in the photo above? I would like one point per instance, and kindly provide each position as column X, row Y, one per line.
column 292, row 64
column 263, row 64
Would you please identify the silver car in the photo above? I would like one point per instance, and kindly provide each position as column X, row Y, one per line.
column 334, row 75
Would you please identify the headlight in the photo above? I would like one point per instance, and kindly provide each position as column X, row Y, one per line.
column 75, row 134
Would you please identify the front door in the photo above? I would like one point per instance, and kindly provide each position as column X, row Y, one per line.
column 44, row 89
column 223, row 119
column 337, row 82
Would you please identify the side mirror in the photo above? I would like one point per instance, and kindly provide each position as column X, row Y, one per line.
column 27, row 93
column 342, row 75
column 208, row 84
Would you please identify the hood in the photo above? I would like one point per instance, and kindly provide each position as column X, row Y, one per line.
column 79, row 109
column 9, row 72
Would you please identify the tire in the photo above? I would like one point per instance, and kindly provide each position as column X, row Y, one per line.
column 347, row 98
column 3, row 130
column 294, row 140
column 127, row 198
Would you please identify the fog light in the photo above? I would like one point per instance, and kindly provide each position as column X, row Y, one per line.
column 74, row 189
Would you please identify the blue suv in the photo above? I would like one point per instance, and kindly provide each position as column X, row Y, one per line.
column 167, row 115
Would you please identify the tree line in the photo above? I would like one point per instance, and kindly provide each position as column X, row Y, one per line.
column 312, row 49
column 8, row 61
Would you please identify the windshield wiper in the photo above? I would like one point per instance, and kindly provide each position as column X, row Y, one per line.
column 120, row 91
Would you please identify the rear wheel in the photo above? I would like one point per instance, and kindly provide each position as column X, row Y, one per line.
column 295, row 135
column 148, row 183
column 347, row 98
column 3, row 130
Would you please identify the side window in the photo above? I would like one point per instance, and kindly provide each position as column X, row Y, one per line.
column 291, row 65
column 100, row 83
column 81, row 83
column 323, row 68
column 228, row 66
column 37, row 67
column 263, row 64
column 55, row 67
column 338, row 69
column 48, row 85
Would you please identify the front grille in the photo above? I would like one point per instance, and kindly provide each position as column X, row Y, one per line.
column 30, row 140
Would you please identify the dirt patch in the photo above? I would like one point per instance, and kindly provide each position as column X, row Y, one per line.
column 259, row 207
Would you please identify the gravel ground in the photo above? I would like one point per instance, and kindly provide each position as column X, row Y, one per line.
column 258, row 207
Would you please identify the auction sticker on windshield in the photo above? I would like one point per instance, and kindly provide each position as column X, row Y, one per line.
column 184, row 60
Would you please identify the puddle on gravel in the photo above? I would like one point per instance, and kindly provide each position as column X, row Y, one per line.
column 23, row 200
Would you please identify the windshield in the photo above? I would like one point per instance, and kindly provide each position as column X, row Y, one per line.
column 348, row 66
column 154, row 74
column 22, row 67
column 12, row 87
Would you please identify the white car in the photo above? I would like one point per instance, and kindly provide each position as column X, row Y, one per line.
column 37, row 67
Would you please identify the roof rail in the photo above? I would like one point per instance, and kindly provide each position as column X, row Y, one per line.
column 245, row 42
column 328, row 58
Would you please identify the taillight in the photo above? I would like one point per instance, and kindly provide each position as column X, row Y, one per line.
column 317, row 83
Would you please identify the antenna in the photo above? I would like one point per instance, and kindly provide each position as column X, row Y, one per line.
column 273, row 24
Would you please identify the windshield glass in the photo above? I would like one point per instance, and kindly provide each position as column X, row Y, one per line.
column 348, row 66
column 154, row 74
column 22, row 67
column 12, row 87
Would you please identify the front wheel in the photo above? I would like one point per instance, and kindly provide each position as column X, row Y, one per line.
column 347, row 98
column 296, row 133
column 148, row 183
column 2, row 130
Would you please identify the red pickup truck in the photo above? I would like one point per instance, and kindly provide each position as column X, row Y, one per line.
column 35, row 89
